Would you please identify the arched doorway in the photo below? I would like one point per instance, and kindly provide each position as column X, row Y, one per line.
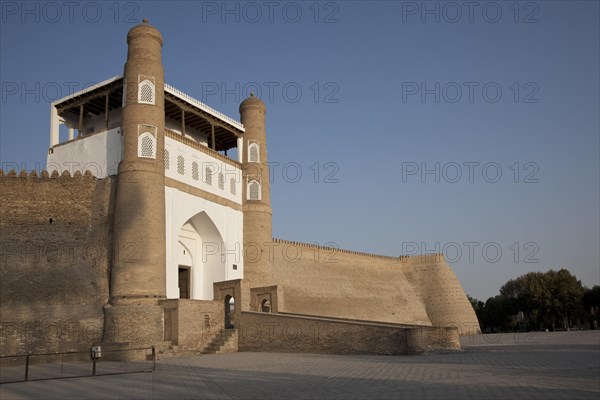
column 198, row 261
column 229, row 311
column 265, row 306
column 184, row 282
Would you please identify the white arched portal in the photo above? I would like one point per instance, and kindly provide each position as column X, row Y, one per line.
column 204, row 236
column 200, row 250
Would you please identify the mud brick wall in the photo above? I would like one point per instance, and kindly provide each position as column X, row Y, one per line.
column 55, row 248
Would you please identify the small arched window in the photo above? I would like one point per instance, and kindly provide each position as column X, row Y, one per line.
column 146, row 145
column 167, row 159
column 265, row 306
column 180, row 165
column 254, row 190
column 208, row 175
column 253, row 153
column 146, row 92
column 195, row 172
column 232, row 186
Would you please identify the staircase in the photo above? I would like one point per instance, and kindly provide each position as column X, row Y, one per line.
column 167, row 349
column 224, row 341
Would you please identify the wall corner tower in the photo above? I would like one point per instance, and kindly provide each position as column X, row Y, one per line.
column 256, row 194
column 138, row 267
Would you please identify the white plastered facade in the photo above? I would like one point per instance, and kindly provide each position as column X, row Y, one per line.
column 205, row 237
column 202, row 235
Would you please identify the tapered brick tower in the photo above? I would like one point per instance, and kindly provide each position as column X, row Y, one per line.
column 138, row 268
column 256, row 194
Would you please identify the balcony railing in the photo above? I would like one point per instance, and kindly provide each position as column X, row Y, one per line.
column 202, row 148
column 204, row 107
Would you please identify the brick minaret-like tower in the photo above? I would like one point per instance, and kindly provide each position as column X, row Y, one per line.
column 138, row 268
column 256, row 194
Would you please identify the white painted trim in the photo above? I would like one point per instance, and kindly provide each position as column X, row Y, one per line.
column 54, row 126
column 203, row 160
column 152, row 88
column 259, row 190
column 86, row 90
column 180, row 208
column 154, row 144
column 99, row 153
column 257, row 147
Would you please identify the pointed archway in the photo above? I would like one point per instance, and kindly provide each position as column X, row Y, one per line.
column 198, row 257
column 229, row 309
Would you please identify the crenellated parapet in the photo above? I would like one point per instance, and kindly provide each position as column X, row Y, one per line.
column 33, row 174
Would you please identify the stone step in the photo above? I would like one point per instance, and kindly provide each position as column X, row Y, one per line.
column 219, row 340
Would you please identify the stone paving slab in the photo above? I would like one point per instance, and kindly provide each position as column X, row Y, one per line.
column 562, row 365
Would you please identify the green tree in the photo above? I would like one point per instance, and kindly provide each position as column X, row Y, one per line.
column 529, row 296
column 497, row 314
column 548, row 300
column 591, row 306
column 477, row 307
column 565, row 294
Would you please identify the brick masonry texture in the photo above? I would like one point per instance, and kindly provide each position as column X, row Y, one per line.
column 287, row 333
column 55, row 255
column 419, row 290
column 195, row 322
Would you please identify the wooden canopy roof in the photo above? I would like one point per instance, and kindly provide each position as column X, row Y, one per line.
column 107, row 96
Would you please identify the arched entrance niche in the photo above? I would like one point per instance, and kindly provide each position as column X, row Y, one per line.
column 199, row 257
column 229, row 311
column 265, row 306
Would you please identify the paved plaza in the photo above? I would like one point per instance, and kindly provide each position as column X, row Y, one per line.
column 560, row 365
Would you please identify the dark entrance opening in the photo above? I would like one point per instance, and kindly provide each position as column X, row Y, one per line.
column 229, row 308
column 265, row 306
column 184, row 282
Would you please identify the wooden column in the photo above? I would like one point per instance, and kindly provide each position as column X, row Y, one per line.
column 183, row 122
column 212, row 135
column 80, row 127
column 106, row 111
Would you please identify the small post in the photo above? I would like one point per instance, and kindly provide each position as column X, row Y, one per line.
column 96, row 354
column 212, row 136
column 153, row 358
column 80, row 128
column 183, row 122
column 106, row 111
column 240, row 150
column 27, row 368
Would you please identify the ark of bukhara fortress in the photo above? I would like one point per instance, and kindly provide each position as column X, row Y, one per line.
column 158, row 238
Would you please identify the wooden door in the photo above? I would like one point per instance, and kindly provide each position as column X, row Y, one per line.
column 184, row 283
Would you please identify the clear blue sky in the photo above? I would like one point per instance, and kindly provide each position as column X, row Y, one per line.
column 388, row 89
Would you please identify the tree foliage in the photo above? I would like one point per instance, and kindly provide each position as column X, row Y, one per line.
column 537, row 301
column 591, row 306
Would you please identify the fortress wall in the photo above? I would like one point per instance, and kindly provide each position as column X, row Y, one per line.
column 301, row 334
column 439, row 289
column 54, row 261
column 279, row 333
column 326, row 282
